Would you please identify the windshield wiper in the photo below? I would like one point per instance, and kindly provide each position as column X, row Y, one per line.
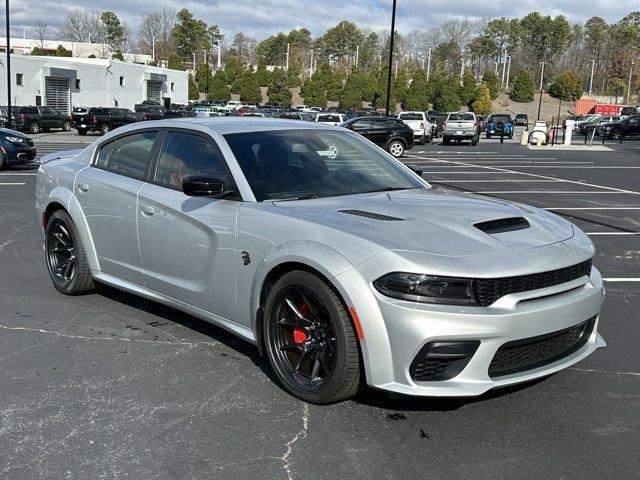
column 298, row 197
column 387, row 189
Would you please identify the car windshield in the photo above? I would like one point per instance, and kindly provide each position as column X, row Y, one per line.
column 296, row 164
column 500, row 118
column 411, row 116
column 461, row 116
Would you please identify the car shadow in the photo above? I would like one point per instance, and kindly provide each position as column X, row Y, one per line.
column 196, row 324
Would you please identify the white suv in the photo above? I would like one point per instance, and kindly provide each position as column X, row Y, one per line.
column 234, row 104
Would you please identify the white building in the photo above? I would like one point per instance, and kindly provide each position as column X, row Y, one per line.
column 65, row 82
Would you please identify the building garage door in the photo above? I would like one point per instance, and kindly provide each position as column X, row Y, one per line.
column 154, row 91
column 56, row 92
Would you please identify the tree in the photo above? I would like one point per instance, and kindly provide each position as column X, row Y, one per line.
column 41, row 32
column 522, row 91
column 446, row 99
column 567, row 86
column 117, row 55
column 175, row 62
column 218, row 87
column 340, row 41
column 157, row 25
column 417, row 97
column 242, row 47
column 279, row 92
column 204, row 77
column 314, row 94
column 233, row 68
column 293, row 75
column 37, row 51
column 114, row 30
column 82, row 26
column 491, row 79
column 248, row 88
column 262, row 74
column 191, row 35
column 468, row 89
column 193, row 89
column 62, row 52
column 482, row 104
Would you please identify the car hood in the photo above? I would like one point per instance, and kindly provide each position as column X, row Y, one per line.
column 432, row 221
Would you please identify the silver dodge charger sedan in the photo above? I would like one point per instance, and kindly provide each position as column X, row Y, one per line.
column 340, row 263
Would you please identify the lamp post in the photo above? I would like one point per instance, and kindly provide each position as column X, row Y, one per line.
column 206, row 61
column 503, row 59
column 629, row 84
column 357, row 54
column 311, row 67
column 8, row 67
column 541, row 85
column 506, row 85
column 428, row 64
column 393, row 27
column 153, row 48
column 593, row 67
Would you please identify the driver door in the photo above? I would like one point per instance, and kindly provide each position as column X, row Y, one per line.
column 187, row 244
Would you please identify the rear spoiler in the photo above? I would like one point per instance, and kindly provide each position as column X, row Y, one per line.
column 58, row 155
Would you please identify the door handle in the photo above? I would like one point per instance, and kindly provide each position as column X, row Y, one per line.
column 83, row 187
column 147, row 210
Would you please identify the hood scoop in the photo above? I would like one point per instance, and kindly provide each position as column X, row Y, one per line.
column 372, row 215
column 502, row 225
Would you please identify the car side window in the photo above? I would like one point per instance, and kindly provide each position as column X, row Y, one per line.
column 185, row 155
column 131, row 154
column 104, row 153
column 361, row 124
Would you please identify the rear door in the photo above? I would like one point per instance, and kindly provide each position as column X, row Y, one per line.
column 633, row 128
column 108, row 194
column 187, row 244
column 380, row 129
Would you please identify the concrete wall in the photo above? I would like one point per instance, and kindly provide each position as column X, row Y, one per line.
column 99, row 81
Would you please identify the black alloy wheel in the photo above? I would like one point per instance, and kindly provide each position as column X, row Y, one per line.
column 65, row 256
column 310, row 340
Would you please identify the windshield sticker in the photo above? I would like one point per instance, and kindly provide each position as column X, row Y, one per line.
column 331, row 152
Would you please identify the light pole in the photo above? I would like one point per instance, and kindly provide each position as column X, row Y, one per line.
column 153, row 48
column 357, row 54
column 393, row 27
column 428, row 64
column 593, row 67
column 8, row 66
column 629, row 84
column 506, row 85
column 503, row 59
column 206, row 61
column 219, row 64
column 287, row 64
column 194, row 62
column 541, row 84
column 311, row 68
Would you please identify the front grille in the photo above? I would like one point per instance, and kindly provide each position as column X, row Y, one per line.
column 535, row 352
column 488, row 291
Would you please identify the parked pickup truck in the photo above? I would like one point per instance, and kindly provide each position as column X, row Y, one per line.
column 461, row 126
column 102, row 119
column 419, row 123
column 500, row 124
column 40, row 119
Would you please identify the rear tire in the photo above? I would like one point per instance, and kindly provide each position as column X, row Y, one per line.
column 3, row 161
column 66, row 260
column 82, row 131
column 105, row 129
column 34, row 128
column 396, row 148
column 66, row 126
column 313, row 349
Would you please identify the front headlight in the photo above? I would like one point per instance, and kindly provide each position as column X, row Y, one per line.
column 427, row 288
column 15, row 139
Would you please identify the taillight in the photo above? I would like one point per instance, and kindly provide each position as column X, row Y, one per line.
column 94, row 119
column 421, row 125
column 145, row 117
column 22, row 118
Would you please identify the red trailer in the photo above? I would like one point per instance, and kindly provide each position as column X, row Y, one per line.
column 607, row 109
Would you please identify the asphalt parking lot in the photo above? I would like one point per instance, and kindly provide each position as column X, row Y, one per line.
column 112, row 386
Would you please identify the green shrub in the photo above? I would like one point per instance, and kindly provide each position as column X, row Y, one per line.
column 522, row 91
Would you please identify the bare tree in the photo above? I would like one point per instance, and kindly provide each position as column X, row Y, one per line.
column 41, row 32
column 158, row 25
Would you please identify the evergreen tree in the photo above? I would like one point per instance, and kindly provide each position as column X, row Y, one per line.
column 232, row 68
column 293, row 75
column 522, row 91
column 218, row 87
column 468, row 89
column 447, row 99
column 491, row 79
column 279, row 92
column 351, row 94
column 262, row 74
column 202, row 73
column 248, row 87
column 62, row 52
column 193, row 89
column 117, row 55
column 482, row 104
column 175, row 62
column 567, row 86
column 417, row 97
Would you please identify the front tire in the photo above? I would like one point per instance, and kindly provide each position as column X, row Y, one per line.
column 66, row 126
column 310, row 341
column 66, row 259
column 34, row 128
column 82, row 132
column 446, row 140
column 105, row 129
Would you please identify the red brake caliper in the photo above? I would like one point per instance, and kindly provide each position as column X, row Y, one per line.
column 298, row 333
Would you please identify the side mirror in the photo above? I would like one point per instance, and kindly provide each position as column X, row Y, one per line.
column 415, row 169
column 204, row 187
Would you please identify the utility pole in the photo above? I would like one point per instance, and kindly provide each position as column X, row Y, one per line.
column 629, row 83
column 219, row 55
column 396, row 77
column 393, row 29
column 206, row 61
column 461, row 68
column 428, row 63
column 194, row 62
column 287, row 65
column 357, row 54
column 311, row 68
column 8, row 67
column 506, row 85
column 503, row 58
column 153, row 48
column 593, row 67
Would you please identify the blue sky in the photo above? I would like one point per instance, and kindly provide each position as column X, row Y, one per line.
column 260, row 18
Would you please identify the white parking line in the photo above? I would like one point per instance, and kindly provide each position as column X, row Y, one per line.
column 12, row 183
column 613, row 233
column 492, row 181
column 622, row 279
column 591, row 208
column 575, row 182
column 16, row 173
column 589, row 192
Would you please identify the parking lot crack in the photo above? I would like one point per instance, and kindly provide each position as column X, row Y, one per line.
column 593, row 370
column 109, row 339
column 286, row 458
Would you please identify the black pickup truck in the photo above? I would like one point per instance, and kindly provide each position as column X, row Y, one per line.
column 40, row 119
column 102, row 119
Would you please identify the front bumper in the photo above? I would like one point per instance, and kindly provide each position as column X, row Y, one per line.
column 409, row 326
column 19, row 154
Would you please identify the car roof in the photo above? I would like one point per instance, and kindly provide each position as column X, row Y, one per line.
column 225, row 125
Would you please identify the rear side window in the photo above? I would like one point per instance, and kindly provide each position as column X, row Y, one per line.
column 185, row 155
column 131, row 154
